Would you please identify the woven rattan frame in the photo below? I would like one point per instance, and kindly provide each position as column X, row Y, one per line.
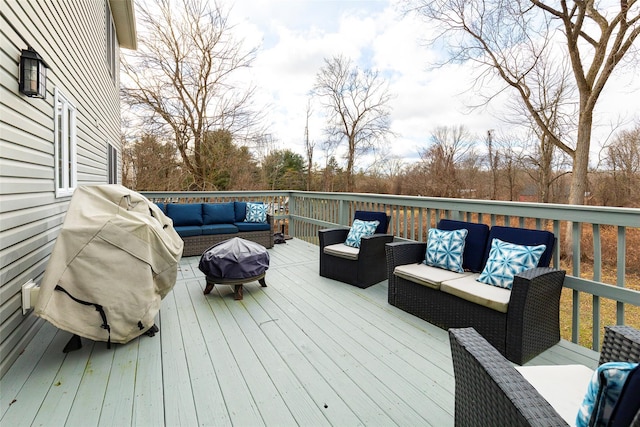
column 370, row 267
column 490, row 392
column 530, row 326
column 196, row 245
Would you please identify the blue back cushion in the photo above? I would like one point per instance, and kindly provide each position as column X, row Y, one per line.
column 373, row 216
column 241, row 210
column 185, row 213
column 524, row 236
column 218, row 213
column 162, row 207
column 475, row 243
column 628, row 403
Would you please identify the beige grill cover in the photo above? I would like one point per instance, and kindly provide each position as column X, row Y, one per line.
column 118, row 250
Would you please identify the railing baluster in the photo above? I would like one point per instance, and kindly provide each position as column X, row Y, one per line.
column 597, row 276
column 621, row 269
column 556, row 231
column 404, row 222
column 575, row 260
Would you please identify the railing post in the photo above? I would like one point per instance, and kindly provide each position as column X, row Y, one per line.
column 343, row 213
column 292, row 211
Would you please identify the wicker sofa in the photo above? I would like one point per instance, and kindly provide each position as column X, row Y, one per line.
column 202, row 225
column 521, row 324
column 490, row 391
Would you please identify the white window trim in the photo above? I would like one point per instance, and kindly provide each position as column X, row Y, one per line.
column 68, row 152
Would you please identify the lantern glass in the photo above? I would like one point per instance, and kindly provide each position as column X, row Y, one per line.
column 33, row 74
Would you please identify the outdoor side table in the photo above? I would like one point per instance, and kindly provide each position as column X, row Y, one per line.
column 234, row 262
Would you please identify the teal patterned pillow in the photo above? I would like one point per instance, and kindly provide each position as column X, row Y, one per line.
column 604, row 389
column 359, row 229
column 256, row 212
column 445, row 248
column 506, row 260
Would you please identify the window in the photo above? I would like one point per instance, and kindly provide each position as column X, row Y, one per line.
column 112, row 164
column 65, row 145
column 111, row 43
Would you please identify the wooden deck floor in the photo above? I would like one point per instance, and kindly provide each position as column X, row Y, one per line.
column 303, row 351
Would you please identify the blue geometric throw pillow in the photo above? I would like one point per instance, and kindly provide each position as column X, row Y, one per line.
column 256, row 212
column 445, row 248
column 602, row 394
column 359, row 229
column 506, row 260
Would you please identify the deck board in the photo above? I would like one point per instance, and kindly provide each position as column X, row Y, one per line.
column 148, row 394
column 305, row 350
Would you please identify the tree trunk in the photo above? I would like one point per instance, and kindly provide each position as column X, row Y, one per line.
column 350, row 163
column 579, row 177
column 581, row 158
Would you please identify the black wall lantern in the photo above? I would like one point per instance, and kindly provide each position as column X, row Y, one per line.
column 33, row 74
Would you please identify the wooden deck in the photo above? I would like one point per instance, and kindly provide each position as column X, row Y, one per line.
column 304, row 351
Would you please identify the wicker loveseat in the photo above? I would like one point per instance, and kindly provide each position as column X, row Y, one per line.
column 202, row 225
column 490, row 391
column 521, row 322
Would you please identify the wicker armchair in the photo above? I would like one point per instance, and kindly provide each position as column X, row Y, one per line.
column 366, row 266
column 489, row 391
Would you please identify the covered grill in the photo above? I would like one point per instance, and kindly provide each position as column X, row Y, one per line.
column 115, row 259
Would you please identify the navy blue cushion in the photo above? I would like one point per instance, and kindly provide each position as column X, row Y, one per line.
column 219, row 229
column 162, row 207
column 373, row 216
column 218, row 213
column 252, row 226
column 628, row 403
column 241, row 210
column 475, row 243
column 185, row 213
column 524, row 236
column 188, row 230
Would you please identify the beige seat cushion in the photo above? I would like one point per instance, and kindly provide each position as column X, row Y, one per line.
column 426, row 275
column 563, row 386
column 343, row 251
column 471, row 290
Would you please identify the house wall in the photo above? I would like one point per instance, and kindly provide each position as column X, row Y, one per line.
column 71, row 37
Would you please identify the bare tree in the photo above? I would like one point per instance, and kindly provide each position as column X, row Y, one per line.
column 510, row 161
column 309, row 146
column 150, row 164
column 509, row 37
column 622, row 162
column 553, row 92
column 449, row 147
column 181, row 78
column 357, row 104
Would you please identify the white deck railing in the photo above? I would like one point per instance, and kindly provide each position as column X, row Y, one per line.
column 302, row 214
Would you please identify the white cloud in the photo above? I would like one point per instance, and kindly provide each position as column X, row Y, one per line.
column 296, row 36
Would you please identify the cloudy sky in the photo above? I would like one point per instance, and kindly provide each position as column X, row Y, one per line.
column 294, row 37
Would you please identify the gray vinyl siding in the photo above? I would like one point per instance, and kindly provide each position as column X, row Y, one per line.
column 71, row 37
